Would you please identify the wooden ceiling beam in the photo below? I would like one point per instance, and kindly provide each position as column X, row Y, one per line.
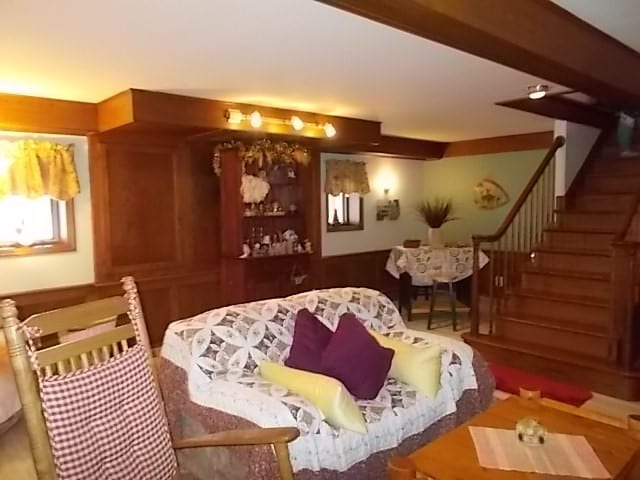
column 205, row 114
column 507, row 143
column 563, row 109
column 390, row 145
column 534, row 36
column 21, row 113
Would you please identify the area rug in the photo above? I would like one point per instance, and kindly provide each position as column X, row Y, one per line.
column 510, row 380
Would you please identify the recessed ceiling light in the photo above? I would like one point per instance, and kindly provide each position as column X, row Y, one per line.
column 538, row 91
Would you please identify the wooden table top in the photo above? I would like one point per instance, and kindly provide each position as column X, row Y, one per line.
column 453, row 456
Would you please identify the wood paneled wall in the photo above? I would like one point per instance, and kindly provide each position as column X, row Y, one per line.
column 155, row 214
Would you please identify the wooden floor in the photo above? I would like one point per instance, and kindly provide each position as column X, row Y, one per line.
column 15, row 456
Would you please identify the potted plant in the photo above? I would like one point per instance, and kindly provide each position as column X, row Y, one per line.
column 436, row 213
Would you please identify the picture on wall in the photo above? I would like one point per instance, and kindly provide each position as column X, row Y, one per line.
column 488, row 195
column 387, row 209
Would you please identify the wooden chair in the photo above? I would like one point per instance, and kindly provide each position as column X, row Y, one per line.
column 42, row 360
column 408, row 292
column 443, row 278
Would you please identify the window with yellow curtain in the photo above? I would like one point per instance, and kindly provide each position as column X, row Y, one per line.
column 346, row 182
column 38, row 182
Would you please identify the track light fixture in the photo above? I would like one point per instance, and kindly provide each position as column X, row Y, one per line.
column 236, row 119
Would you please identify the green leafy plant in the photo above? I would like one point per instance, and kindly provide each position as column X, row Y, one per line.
column 436, row 212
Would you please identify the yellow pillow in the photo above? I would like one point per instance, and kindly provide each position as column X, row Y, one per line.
column 326, row 393
column 416, row 366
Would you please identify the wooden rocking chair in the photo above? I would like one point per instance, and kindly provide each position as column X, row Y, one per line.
column 54, row 353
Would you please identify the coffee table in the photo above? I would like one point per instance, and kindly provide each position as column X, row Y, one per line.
column 453, row 456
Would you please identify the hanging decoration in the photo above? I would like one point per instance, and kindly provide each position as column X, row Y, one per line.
column 263, row 153
column 488, row 195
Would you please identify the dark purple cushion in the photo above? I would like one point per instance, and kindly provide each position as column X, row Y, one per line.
column 310, row 338
column 355, row 358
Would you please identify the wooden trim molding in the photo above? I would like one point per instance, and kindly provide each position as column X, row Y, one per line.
column 20, row 113
column 556, row 106
column 390, row 145
column 508, row 143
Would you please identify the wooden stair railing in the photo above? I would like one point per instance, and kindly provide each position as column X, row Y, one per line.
column 518, row 234
column 624, row 288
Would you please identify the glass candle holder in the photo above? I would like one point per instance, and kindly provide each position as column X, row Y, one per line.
column 531, row 432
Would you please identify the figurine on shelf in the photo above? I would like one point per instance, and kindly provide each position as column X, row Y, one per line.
column 293, row 208
column 307, row 246
column 246, row 250
column 291, row 173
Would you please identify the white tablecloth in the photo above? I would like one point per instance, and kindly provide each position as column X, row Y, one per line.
column 426, row 263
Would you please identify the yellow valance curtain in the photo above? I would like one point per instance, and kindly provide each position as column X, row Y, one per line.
column 346, row 176
column 34, row 168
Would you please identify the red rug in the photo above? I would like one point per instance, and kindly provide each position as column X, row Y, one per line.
column 510, row 380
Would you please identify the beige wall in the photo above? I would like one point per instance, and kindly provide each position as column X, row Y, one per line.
column 414, row 180
column 35, row 272
column 405, row 179
column 455, row 177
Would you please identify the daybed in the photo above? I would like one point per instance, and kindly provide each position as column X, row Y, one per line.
column 210, row 381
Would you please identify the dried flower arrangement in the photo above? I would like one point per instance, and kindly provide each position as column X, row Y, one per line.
column 436, row 212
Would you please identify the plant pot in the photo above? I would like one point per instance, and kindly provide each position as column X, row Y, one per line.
column 434, row 238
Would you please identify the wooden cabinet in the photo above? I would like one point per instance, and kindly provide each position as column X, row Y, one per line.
column 271, row 263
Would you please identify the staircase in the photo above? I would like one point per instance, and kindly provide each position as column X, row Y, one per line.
column 564, row 291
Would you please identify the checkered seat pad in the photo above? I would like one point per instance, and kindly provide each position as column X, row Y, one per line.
column 106, row 422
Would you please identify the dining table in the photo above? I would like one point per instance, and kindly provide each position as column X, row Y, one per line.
column 425, row 262
column 420, row 266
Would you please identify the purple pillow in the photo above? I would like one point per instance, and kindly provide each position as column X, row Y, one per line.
column 355, row 358
column 310, row 338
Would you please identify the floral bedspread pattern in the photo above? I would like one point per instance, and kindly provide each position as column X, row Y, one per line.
column 222, row 349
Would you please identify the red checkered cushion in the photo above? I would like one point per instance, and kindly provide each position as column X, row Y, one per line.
column 106, row 422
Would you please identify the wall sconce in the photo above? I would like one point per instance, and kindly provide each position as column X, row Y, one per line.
column 237, row 120
column 387, row 208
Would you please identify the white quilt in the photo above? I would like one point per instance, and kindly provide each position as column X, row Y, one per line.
column 220, row 350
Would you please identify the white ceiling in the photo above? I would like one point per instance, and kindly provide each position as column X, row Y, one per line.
column 289, row 53
column 618, row 18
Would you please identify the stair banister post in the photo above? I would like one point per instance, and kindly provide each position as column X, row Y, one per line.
column 475, row 289
column 623, row 302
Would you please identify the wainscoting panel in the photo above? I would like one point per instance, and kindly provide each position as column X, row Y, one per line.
column 358, row 270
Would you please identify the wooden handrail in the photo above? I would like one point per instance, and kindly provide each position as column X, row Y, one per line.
column 558, row 142
column 633, row 209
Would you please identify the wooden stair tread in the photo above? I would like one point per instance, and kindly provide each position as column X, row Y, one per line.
column 543, row 351
column 564, row 325
column 565, row 273
column 566, row 298
column 571, row 251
